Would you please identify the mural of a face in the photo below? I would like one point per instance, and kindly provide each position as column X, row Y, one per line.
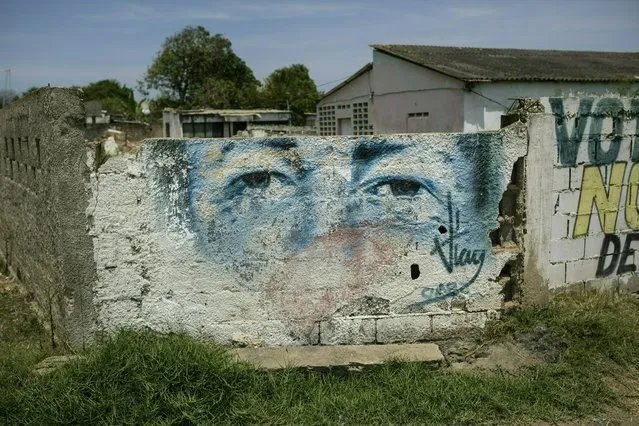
column 315, row 224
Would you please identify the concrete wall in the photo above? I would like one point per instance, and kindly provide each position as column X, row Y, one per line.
column 133, row 131
column 43, row 222
column 401, row 87
column 484, row 106
column 583, row 192
column 358, row 90
column 304, row 240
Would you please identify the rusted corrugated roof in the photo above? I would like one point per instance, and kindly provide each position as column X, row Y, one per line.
column 472, row 64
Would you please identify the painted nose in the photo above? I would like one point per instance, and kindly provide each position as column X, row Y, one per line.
column 331, row 203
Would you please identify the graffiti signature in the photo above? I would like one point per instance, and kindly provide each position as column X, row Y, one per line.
column 451, row 258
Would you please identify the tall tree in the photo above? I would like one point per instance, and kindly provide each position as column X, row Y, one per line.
column 115, row 97
column 291, row 88
column 193, row 63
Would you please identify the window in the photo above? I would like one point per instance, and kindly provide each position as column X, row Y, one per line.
column 418, row 122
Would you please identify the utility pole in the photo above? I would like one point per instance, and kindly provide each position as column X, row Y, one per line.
column 7, row 86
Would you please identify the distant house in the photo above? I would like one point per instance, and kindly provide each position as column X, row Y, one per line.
column 415, row 89
column 218, row 123
column 94, row 114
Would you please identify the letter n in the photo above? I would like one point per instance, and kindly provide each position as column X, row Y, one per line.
column 593, row 190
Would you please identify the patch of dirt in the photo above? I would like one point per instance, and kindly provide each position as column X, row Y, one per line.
column 542, row 342
column 465, row 355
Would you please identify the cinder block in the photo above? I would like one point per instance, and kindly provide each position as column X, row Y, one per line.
column 629, row 283
column 561, row 179
column 625, row 148
column 556, row 275
column 593, row 245
column 581, row 270
column 347, row 331
column 603, row 284
column 405, row 328
column 560, row 226
column 454, row 324
column 582, row 154
column 567, row 202
column 567, row 249
column 576, row 175
column 595, row 225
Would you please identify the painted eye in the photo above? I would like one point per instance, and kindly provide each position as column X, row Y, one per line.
column 256, row 180
column 404, row 188
column 396, row 187
column 261, row 183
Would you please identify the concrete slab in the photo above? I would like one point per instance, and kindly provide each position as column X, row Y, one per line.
column 335, row 356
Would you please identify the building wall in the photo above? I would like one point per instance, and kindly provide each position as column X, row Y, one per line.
column 304, row 240
column 174, row 125
column 43, row 216
column 484, row 106
column 401, row 88
column 583, row 191
column 133, row 131
column 351, row 102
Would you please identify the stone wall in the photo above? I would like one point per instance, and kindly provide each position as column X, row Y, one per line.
column 305, row 240
column 584, row 192
column 43, row 239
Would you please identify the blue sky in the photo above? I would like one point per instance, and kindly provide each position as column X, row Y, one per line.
column 67, row 42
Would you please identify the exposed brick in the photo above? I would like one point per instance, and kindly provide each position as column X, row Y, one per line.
column 593, row 245
column 561, row 179
column 557, row 275
column 581, row 270
column 567, row 249
column 576, row 174
column 560, row 226
column 568, row 202
column 629, row 283
column 602, row 284
column 454, row 324
column 347, row 331
column 405, row 328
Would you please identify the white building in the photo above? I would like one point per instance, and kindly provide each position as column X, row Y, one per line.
column 217, row 123
column 415, row 89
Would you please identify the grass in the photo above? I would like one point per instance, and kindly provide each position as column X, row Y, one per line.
column 143, row 378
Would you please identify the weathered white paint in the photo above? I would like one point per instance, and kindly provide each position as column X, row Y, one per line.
column 401, row 88
column 573, row 238
column 330, row 266
column 358, row 90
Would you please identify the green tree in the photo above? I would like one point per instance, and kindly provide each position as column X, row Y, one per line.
column 194, row 67
column 30, row 90
column 291, row 88
column 115, row 97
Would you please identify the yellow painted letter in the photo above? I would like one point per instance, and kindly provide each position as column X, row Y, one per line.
column 593, row 189
column 632, row 213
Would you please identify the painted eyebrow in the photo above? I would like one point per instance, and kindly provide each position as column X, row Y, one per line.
column 370, row 151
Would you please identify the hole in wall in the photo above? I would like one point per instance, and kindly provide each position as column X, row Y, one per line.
column 442, row 229
column 509, row 284
column 414, row 271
